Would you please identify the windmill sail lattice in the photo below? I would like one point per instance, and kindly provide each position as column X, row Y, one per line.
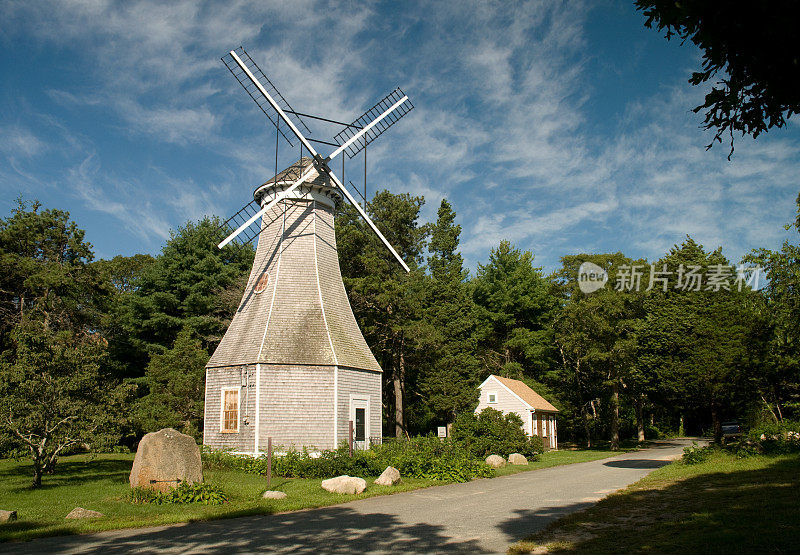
column 367, row 117
column 256, row 95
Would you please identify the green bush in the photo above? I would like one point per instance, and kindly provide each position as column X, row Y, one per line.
column 776, row 437
column 695, row 454
column 492, row 432
column 421, row 457
column 204, row 494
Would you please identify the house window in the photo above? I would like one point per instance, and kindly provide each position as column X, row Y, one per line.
column 229, row 422
column 491, row 397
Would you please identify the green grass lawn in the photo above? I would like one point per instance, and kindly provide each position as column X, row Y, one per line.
column 723, row 505
column 100, row 483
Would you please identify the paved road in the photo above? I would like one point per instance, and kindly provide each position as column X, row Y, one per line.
column 484, row 516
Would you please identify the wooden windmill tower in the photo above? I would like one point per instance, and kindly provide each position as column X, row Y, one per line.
column 293, row 365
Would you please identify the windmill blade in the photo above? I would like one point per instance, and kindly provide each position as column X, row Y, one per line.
column 236, row 61
column 246, row 233
column 368, row 220
column 369, row 117
column 280, row 196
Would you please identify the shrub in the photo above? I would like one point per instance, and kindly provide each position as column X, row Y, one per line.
column 421, row 457
column 203, row 493
column 776, row 437
column 695, row 454
column 492, row 432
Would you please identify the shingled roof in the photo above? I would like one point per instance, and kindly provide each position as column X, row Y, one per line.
column 525, row 393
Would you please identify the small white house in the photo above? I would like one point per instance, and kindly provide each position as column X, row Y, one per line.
column 507, row 395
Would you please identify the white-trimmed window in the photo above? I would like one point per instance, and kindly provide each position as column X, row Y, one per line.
column 491, row 397
column 229, row 414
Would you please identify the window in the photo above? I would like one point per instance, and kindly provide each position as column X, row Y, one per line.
column 491, row 397
column 361, row 424
column 229, row 422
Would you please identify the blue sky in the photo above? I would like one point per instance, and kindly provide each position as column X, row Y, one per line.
column 561, row 126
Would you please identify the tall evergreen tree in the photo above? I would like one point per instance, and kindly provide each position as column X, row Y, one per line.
column 515, row 311
column 450, row 379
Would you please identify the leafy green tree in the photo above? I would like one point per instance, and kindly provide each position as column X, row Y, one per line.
column 747, row 47
column 54, row 389
column 175, row 381
column 697, row 342
column 492, row 432
column 516, row 309
column 449, row 384
column 55, row 395
column 778, row 382
column 386, row 300
column 596, row 335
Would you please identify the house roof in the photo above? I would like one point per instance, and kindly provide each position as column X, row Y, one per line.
column 529, row 396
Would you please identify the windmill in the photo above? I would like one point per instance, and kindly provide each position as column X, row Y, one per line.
column 293, row 365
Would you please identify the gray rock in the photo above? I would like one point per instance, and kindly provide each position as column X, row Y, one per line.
column 80, row 512
column 517, row 458
column 344, row 484
column 389, row 477
column 164, row 458
column 273, row 495
column 8, row 516
column 495, row 461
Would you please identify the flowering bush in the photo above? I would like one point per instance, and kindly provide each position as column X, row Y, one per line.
column 776, row 437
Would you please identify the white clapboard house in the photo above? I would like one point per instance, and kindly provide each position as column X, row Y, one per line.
column 507, row 395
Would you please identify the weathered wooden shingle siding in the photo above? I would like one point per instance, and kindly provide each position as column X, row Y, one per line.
column 506, row 402
column 296, row 406
column 231, row 377
column 363, row 384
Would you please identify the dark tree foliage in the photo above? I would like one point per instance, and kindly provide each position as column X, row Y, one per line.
column 186, row 286
column 387, row 301
column 748, row 47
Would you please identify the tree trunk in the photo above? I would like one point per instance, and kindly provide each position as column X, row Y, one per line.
column 640, row 417
column 716, row 422
column 398, row 378
column 586, row 417
column 615, row 416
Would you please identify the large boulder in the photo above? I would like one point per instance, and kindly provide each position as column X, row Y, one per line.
column 517, row 458
column 344, row 484
column 270, row 494
column 8, row 516
column 389, row 477
column 495, row 461
column 80, row 512
column 165, row 458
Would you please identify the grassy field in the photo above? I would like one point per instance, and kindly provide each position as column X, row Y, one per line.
column 100, row 483
column 723, row 505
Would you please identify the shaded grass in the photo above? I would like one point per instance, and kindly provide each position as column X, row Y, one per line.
column 100, row 483
column 723, row 505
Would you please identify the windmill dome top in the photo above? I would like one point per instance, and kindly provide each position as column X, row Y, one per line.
column 316, row 184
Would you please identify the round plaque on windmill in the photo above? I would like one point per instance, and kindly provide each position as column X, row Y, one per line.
column 262, row 283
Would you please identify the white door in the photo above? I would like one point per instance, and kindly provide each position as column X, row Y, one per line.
column 359, row 416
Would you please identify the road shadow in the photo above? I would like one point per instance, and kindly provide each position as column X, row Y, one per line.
column 637, row 463
column 330, row 530
column 526, row 522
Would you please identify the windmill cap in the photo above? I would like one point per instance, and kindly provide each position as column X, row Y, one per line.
column 317, row 185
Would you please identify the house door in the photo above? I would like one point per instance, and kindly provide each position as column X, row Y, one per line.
column 359, row 415
column 539, row 426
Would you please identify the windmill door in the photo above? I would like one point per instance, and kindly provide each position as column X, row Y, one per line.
column 359, row 415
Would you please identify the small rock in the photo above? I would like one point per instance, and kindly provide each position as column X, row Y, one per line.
column 80, row 512
column 274, row 495
column 344, row 484
column 8, row 516
column 389, row 477
column 517, row 458
column 165, row 458
column 495, row 461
